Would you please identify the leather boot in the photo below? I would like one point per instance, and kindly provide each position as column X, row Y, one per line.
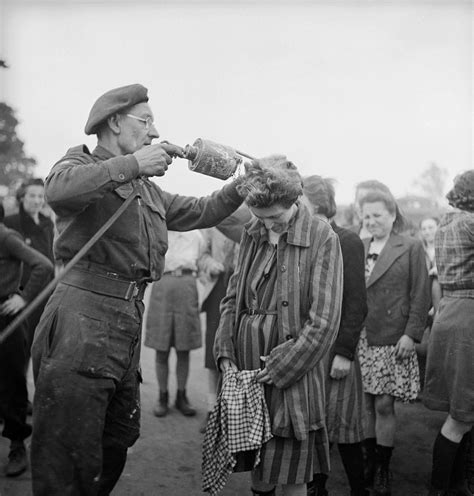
column 161, row 407
column 382, row 478
column 317, row 487
column 263, row 493
column 17, row 459
column 182, row 404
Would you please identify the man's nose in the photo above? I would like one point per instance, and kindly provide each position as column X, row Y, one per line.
column 153, row 132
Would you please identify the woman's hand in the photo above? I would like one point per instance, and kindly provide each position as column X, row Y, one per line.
column 13, row 305
column 263, row 376
column 227, row 363
column 340, row 367
column 404, row 347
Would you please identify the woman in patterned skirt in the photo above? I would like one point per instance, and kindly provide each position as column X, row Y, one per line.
column 281, row 315
column 398, row 298
column 449, row 385
column 345, row 396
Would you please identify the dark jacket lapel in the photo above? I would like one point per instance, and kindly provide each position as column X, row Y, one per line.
column 392, row 250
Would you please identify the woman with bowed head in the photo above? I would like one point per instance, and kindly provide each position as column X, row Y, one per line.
column 398, row 299
column 449, row 385
column 281, row 315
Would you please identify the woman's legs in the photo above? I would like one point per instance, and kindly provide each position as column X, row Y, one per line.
column 162, row 372
column 369, row 442
column 385, row 424
column 182, row 372
column 445, row 452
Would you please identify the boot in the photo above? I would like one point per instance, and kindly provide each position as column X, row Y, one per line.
column 382, row 478
column 263, row 493
column 182, row 404
column 317, row 487
column 161, row 407
column 17, row 461
column 368, row 450
column 470, row 462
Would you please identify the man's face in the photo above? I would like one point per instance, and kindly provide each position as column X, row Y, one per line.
column 134, row 131
column 33, row 200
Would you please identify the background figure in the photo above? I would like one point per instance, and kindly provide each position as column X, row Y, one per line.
column 345, row 407
column 173, row 317
column 362, row 189
column 449, row 385
column 398, row 302
column 216, row 266
column 428, row 227
column 38, row 231
column 281, row 314
column 14, row 255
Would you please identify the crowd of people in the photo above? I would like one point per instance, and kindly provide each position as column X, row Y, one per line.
column 313, row 330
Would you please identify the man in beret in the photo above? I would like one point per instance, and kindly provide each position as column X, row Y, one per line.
column 87, row 343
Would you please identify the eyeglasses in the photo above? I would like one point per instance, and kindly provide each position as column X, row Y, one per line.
column 148, row 121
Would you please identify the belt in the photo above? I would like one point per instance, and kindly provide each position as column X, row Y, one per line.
column 106, row 285
column 181, row 272
column 258, row 311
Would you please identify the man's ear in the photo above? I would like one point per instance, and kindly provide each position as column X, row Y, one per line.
column 114, row 123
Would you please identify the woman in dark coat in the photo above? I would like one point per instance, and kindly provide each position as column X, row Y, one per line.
column 345, row 395
column 449, row 384
column 398, row 298
column 38, row 232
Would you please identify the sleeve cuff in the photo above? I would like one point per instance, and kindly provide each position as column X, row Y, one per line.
column 123, row 169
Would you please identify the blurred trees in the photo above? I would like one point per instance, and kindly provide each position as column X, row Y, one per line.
column 432, row 183
column 14, row 163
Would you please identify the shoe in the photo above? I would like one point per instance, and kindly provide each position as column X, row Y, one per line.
column 161, row 407
column 17, row 461
column 182, row 404
column 382, row 481
column 313, row 490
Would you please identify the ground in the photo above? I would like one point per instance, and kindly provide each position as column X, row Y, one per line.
column 166, row 460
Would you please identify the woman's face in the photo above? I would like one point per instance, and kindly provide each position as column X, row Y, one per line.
column 33, row 200
column 275, row 218
column 377, row 219
column 428, row 230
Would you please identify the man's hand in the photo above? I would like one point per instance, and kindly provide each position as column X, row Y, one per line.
column 340, row 367
column 153, row 160
column 214, row 267
column 13, row 305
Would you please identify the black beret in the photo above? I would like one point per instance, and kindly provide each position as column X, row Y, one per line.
column 112, row 102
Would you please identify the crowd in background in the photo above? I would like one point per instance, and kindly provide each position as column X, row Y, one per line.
column 401, row 291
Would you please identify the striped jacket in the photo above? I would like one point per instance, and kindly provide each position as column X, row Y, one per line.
column 309, row 292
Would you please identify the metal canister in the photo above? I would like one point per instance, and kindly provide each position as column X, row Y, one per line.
column 212, row 159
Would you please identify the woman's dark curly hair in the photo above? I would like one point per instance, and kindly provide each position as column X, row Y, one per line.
column 462, row 194
column 271, row 181
column 321, row 195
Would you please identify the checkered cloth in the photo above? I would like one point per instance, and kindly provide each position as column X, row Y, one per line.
column 238, row 422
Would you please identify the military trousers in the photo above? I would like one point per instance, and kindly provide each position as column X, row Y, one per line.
column 87, row 405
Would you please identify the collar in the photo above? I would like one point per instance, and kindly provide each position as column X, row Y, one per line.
column 102, row 153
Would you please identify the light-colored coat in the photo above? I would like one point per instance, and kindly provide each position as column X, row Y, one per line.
column 309, row 295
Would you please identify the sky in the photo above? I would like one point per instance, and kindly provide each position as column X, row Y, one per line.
column 352, row 90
